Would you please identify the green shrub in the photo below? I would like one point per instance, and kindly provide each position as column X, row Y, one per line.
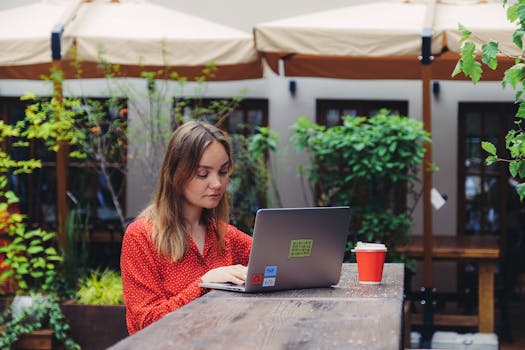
column 100, row 288
column 370, row 164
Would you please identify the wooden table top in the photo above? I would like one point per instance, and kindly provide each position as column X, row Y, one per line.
column 345, row 316
column 348, row 287
column 454, row 247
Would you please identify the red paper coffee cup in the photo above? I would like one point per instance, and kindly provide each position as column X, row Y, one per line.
column 370, row 261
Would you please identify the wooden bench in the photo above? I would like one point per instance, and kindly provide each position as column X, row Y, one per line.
column 484, row 250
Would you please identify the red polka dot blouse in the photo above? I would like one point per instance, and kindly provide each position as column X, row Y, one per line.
column 154, row 285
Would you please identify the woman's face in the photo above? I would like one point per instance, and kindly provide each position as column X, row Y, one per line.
column 207, row 187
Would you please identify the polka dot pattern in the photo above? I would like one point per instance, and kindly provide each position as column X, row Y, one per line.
column 154, row 285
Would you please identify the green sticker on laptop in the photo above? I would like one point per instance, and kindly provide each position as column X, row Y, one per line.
column 300, row 248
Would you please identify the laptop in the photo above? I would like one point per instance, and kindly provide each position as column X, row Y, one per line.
column 294, row 248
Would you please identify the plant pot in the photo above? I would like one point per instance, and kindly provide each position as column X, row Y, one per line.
column 96, row 327
column 37, row 340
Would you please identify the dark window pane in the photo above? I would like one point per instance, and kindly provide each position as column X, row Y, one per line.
column 473, row 124
column 248, row 114
column 235, row 121
column 255, row 118
column 482, row 205
column 329, row 112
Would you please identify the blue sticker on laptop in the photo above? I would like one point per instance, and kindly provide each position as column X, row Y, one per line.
column 270, row 271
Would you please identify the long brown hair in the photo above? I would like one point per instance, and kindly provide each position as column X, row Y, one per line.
column 185, row 149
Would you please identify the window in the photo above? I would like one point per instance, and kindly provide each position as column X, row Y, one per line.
column 87, row 187
column 242, row 119
column 329, row 112
column 487, row 200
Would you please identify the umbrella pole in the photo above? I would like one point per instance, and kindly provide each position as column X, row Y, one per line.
column 62, row 159
column 426, row 77
column 428, row 290
column 427, row 179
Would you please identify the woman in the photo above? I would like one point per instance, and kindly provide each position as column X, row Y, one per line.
column 183, row 238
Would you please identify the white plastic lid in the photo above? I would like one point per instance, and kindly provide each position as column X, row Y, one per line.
column 361, row 246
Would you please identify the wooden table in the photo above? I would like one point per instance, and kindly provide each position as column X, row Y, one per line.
column 345, row 316
column 481, row 249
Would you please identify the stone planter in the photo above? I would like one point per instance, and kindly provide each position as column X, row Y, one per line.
column 96, row 327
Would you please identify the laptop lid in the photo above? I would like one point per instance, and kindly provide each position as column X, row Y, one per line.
column 295, row 248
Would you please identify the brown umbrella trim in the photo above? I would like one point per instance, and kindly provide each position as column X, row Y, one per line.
column 383, row 68
column 251, row 70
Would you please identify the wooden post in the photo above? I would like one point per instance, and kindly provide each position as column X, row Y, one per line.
column 427, row 178
column 62, row 159
column 486, row 296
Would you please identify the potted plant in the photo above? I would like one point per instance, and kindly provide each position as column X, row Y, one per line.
column 32, row 262
column 97, row 315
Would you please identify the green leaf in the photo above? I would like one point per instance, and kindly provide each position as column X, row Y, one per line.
column 470, row 67
column 36, row 274
column 11, row 197
column 521, row 110
column 512, row 13
column 514, row 75
column 521, row 191
column 514, row 168
column 491, row 160
column 517, row 37
column 35, row 250
column 458, row 68
column 490, row 51
column 49, row 235
column 521, row 12
column 51, row 251
column 473, row 70
column 488, row 147
column 465, row 33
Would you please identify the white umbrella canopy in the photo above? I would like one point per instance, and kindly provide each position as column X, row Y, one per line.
column 375, row 29
column 379, row 40
column 340, row 43
column 139, row 33
column 135, row 34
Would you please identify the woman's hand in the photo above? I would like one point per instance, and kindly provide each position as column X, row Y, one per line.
column 235, row 274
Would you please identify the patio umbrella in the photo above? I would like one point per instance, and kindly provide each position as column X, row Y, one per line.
column 386, row 40
column 137, row 35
